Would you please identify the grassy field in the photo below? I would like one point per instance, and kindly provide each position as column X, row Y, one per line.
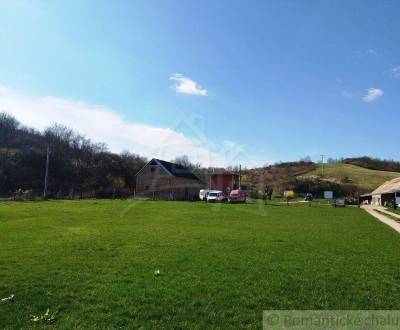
column 94, row 262
column 363, row 177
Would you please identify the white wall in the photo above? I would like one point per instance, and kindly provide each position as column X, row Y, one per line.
column 376, row 200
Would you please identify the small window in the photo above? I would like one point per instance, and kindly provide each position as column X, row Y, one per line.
column 152, row 170
column 147, row 187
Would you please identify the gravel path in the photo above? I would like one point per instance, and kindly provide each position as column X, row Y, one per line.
column 388, row 218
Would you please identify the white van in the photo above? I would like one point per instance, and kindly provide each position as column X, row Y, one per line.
column 203, row 194
column 215, row 196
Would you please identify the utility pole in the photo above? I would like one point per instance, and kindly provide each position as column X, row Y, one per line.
column 322, row 156
column 240, row 176
column 46, row 176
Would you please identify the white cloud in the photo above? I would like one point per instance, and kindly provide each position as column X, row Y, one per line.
column 103, row 125
column 366, row 53
column 345, row 94
column 373, row 94
column 372, row 52
column 186, row 85
column 4, row 89
column 394, row 72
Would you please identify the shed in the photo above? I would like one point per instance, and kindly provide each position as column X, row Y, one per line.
column 225, row 181
column 384, row 195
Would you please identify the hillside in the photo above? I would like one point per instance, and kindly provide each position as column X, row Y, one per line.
column 346, row 173
column 374, row 163
column 78, row 167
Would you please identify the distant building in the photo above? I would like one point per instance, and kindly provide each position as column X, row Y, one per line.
column 384, row 195
column 225, row 182
column 160, row 179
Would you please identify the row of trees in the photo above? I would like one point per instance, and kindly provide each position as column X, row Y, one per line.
column 78, row 167
column 374, row 163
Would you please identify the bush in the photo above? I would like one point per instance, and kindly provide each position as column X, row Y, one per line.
column 107, row 193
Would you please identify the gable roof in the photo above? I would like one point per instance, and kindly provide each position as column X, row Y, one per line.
column 388, row 187
column 173, row 169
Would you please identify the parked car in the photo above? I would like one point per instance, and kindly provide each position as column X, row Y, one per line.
column 237, row 196
column 215, row 196
column 351, row 201
column 339, row 203
column 309, row 197
column 203, row 194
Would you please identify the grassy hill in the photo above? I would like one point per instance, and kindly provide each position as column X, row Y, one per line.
column 362, row 177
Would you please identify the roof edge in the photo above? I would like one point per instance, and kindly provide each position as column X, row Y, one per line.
column 158, row 163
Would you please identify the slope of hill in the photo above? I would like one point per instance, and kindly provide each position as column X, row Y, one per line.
column 374, row 163
column 346, row 173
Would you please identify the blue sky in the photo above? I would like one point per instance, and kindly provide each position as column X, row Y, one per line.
column 224, row 82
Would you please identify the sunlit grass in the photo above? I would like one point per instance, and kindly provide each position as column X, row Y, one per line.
column 109, row 264
column 363, row 177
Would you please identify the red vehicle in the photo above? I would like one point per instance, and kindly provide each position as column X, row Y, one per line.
column 237, row 196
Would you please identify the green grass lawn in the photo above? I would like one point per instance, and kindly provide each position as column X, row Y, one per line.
column 221, row 265
column 362, row 177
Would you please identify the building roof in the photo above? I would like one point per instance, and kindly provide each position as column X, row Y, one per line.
column 173, row 169
column 388, row 187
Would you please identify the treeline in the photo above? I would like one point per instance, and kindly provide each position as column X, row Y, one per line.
column 317, row 186
column 374, row 163
column 278, row 177
column 77, row 167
